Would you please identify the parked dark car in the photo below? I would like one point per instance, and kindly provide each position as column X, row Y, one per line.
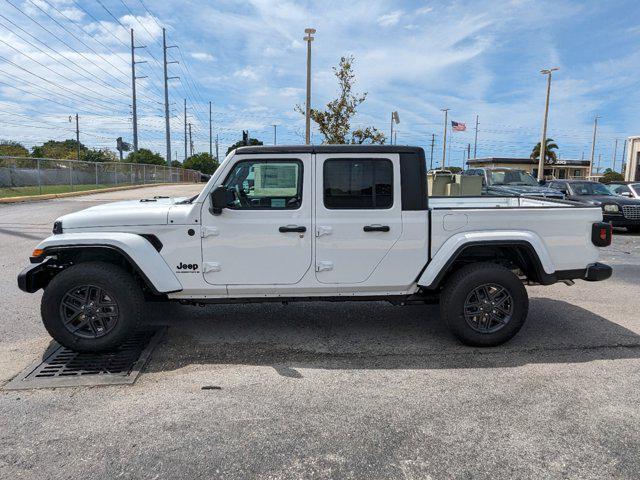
column 511, row 182
column 619, row 211
column 625, row 189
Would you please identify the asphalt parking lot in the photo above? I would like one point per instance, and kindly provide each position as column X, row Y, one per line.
column 354, row 390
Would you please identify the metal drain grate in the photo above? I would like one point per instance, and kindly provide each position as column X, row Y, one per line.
column 61, row 367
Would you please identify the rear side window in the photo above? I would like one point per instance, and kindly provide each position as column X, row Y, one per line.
column 358, row 184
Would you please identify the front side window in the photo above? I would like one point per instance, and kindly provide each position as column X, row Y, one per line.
column 266, row 184
column 358, row 184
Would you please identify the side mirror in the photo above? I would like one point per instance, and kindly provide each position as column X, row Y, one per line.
column 221, row 197
column 626, row 194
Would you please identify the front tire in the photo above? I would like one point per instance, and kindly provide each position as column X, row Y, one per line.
column 484, row 304
column 92, row 307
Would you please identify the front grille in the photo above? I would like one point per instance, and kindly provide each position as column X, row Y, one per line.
column 631, row 212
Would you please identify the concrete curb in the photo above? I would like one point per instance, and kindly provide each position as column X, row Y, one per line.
column 49, row 196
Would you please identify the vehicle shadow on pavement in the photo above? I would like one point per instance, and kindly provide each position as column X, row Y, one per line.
column 373, row 335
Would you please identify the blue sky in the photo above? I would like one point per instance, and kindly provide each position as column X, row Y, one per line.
column 248, row 58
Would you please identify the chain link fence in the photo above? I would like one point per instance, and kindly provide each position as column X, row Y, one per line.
column 21, row 176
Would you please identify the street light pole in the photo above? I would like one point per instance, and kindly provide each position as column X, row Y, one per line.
column 444, row 141
column 593, row 145
column 395, row 118
column 275, row 134
column 308, row 38
column 543, row 141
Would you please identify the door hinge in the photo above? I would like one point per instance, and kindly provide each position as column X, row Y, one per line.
column 323, row 230
column 211, row 267
column 324, row 266
column 209, row 232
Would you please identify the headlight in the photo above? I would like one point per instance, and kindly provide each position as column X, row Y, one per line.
column 611, row 208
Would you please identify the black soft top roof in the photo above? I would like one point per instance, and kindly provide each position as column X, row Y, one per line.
column 330, row 149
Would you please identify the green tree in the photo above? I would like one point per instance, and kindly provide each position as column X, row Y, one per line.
column 66, row 149
column 335, row 121
column 611, row 176
column 99, row 155
column 367, row 135
column 203, row 162
column 549, row 155
column 454, row 169
column 144, row 155
column 239, row 143
column 176, row 164
column 10, row 148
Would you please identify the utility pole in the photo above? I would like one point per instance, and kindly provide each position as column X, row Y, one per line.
column 77, row 137
column 598, row 166
column 444, row 141
column 624, row 151
column 475, row 142
column 308, row 38
column 615, row 153
column 593, row 144
column 543, row 141
column 433, row 142
column 185, row 128
column 210, row 133
column 468, row 153
column 133, row 91
column 275, row 134
column 217, row 157
column 190, row 142
column 167, row 125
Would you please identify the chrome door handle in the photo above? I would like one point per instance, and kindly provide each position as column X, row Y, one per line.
column 292, row 228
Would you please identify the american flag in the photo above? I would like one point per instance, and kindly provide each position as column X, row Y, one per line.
column 458, row 126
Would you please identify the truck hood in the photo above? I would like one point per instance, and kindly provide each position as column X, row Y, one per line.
column 152, row 211
column 520, row 190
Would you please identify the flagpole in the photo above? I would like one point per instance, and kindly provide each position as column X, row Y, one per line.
column 444, row 140
column 475, row 142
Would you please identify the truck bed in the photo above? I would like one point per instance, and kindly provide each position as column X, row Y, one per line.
column 495, row 202
column 563, row 227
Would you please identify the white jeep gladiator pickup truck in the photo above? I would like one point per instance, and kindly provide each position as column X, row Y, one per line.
column 312, row 223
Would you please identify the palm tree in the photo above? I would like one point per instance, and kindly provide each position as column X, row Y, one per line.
column 549, row 154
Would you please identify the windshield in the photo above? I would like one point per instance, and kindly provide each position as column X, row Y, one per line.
column 588, row 188
column 511, row 177
column 635, row 187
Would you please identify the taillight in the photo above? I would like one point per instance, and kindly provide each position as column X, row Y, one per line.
column 601, row 234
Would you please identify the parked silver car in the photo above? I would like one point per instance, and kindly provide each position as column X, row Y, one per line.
column 625, row 189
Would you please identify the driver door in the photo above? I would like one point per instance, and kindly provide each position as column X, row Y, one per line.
column 264, row 236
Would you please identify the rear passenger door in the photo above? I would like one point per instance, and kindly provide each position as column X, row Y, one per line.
column 358, row 214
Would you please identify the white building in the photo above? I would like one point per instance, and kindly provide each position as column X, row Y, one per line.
column 632, row 172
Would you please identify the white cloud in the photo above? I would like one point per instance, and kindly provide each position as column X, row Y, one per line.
column 246, row 73
column 390, row 19
column 203, row 56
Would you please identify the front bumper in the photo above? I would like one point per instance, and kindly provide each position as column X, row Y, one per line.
column 619, row 220
column 35, row 277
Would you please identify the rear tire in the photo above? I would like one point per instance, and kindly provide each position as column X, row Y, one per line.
column 484, row 304
column 634, row 229
column 92, row 307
